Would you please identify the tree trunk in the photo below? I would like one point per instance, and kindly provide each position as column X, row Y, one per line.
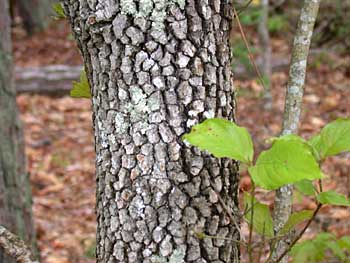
column 35, row 14
column 15, row 191
column 292, row 109
column 266, row 68
column 156, row 68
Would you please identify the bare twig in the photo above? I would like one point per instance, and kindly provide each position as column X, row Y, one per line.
column 245, row 7
column 15, row 247
column 248, row 48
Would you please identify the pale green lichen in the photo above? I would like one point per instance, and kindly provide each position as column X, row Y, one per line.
column 155, row 10
column 120, row 124
column 146, row 8
column 128, row 7
column 140, row 107
column 178, row 256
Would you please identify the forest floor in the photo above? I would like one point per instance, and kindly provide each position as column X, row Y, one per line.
column 59, row 142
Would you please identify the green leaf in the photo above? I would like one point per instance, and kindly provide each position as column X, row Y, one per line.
column 58, row 9
column 262, row 220
column 333, row 198
column 337, row 250
column 306, row 252
column 312, row 251
column 344, row 242
column 333, row 139
column 222, row 138
column 289, row 160
column 81, row 89
column 306, row 187
column 294, row 219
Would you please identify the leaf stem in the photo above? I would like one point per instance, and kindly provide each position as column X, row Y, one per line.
column 250, row 247
column 256, row 69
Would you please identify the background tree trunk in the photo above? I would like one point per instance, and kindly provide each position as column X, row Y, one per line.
column 15, row 191
column 266, row 68
column 156, row 68
column 35, row 14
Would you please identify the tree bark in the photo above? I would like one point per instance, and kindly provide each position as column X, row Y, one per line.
column 156, row 68
column 15, row 191
column 292, row 109
column 15, row 247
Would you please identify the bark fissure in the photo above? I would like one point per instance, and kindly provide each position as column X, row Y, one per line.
column 150, row 85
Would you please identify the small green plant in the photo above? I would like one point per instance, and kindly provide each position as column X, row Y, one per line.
column 323, row 248
column 90, row 250
column 277, row 23
column 81, row 89
column 240, row 52
column 289, row 160
column 58, row 11
column 252, row 16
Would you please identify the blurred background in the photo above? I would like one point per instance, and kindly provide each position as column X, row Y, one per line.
column 58, row 129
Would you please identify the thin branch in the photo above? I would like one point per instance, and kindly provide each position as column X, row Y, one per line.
column 245, row 7
column 293, row 105
column 261, row 247
column 296, row 239
column 251, row 225
column 15, row 247
column 256, row 69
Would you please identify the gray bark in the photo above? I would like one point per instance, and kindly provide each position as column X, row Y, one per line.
column 15, row 247
column 155, row 70
column 15, row 191
column 292, row 109
column 57, row 79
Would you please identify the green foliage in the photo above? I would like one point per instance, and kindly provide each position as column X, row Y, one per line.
column 90, row 251
column 58, row 10
column 222, row 138
column 306, row 187
column 333, row 198
column 289, row 160
column 251, row 17
column 315, row 250
column 262, row 220
column 295, row 219
column 81, row 89
column 277, row 23
column 241, row 55
column 333, row 139
column 344, row 242
column 333, row 25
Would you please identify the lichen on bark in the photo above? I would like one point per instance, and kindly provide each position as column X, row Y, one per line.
column 292, row 109
column 150, row 83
